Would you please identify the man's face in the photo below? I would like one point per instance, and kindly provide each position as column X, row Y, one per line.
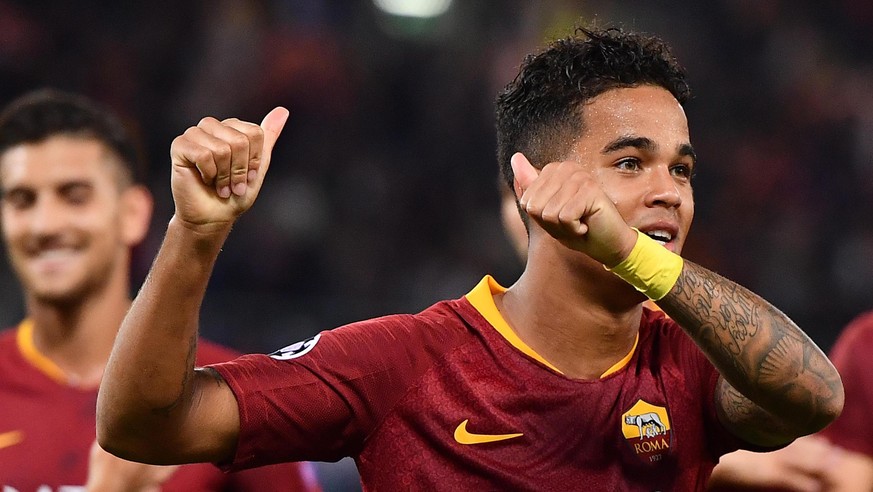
column 637, row 147
column 61, row 217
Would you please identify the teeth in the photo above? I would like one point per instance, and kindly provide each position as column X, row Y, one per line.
column 662, row 237
column 55, row 253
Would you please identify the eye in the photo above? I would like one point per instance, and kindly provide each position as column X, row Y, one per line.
column 628, row 164
column 19, row 199
column 77, row 194
column 683, row 171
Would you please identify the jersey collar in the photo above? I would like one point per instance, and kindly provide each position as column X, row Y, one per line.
column 482, row 299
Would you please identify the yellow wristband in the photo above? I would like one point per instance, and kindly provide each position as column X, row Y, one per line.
column 651, row 268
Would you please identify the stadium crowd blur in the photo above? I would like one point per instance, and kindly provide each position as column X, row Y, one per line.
column 383, row 196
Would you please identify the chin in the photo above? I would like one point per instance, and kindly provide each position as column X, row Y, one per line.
column 56, row 295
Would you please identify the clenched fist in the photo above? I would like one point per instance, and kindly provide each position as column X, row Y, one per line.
column 566, row 201
column 219, row 167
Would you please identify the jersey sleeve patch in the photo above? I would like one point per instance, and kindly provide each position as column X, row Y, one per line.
column 296, row 350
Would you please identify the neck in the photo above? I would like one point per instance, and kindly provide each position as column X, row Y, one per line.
column 77, row 337
column 573, row 312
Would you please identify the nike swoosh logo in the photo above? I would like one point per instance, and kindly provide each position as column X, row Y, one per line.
column 463, row 436
column 10, row 438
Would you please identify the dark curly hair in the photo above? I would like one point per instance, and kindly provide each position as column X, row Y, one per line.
column 540, row 113
column 45, row 113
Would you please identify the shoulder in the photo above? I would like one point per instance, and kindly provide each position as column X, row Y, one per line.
column 657, row 325
column 859, row 329
column 7, row 336
column 668, row 345
column 856, row 338
column 408, row 343
column 435, row 330
column 8, row 340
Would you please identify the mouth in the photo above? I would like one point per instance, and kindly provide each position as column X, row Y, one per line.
column 661, row 236
column 52, row 258
column 664, row 233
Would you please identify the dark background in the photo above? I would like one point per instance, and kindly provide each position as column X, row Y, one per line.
column 382, row 196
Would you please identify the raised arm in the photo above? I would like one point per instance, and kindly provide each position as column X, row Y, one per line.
column 153, row 406
column 775, row 384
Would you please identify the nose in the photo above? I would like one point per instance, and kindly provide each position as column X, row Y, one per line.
column 663, row 190
column 45, row 217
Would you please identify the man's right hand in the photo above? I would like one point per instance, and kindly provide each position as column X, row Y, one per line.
column 566, row 201
column 219, row 167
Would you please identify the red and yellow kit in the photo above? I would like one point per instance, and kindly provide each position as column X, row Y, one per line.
column 47, row 426
column 452, row 399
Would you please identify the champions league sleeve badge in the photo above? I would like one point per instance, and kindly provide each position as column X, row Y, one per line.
column 296, row 350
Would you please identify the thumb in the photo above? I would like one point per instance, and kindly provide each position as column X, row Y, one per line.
column 524, row 172
column 272, row 126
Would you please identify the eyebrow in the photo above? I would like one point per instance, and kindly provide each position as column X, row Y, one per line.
column 688, row 150
column 619, row 143
column 647, row 144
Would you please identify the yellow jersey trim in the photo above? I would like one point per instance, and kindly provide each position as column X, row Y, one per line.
column 24, row 338
column 12, row 438
column 482, row 299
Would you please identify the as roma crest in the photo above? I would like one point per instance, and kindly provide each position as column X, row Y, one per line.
column 647, row 429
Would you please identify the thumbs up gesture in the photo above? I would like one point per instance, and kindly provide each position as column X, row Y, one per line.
column 218, row 167
column 568, row 203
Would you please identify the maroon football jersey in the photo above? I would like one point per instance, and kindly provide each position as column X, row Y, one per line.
column 47, row 427
column 851, row 356
column 451, row 399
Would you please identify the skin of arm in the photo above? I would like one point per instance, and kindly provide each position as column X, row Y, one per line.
column 854, row 473
column 107, row 473
column 153, row 406
column 775, row 384
column 806, row 465
column 809, row 464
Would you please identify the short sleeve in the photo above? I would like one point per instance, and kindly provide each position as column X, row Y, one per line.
column 319, row 399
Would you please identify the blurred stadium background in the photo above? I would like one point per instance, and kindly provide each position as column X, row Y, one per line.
column 383, row 197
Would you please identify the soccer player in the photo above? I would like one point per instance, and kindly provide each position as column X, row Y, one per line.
column 809, row 464
column 72, row 209
column 563, row 381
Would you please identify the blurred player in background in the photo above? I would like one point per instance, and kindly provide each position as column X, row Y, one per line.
column 72, row 210
column 564, row 380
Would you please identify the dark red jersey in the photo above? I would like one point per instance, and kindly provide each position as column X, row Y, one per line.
column 851, row 356
column 451, row 399
column 47, row 426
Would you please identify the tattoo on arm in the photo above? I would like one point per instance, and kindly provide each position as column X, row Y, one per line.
column 756, row 348
column 747, row 420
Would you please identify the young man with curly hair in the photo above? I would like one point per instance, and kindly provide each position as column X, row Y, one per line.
column 562, row 381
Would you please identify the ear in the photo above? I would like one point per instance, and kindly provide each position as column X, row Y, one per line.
column 137, row 205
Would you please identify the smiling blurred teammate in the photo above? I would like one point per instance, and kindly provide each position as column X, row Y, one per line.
column 561, row 381
column 72, row 210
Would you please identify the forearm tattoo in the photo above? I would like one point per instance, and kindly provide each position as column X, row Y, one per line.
column 755, row 347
